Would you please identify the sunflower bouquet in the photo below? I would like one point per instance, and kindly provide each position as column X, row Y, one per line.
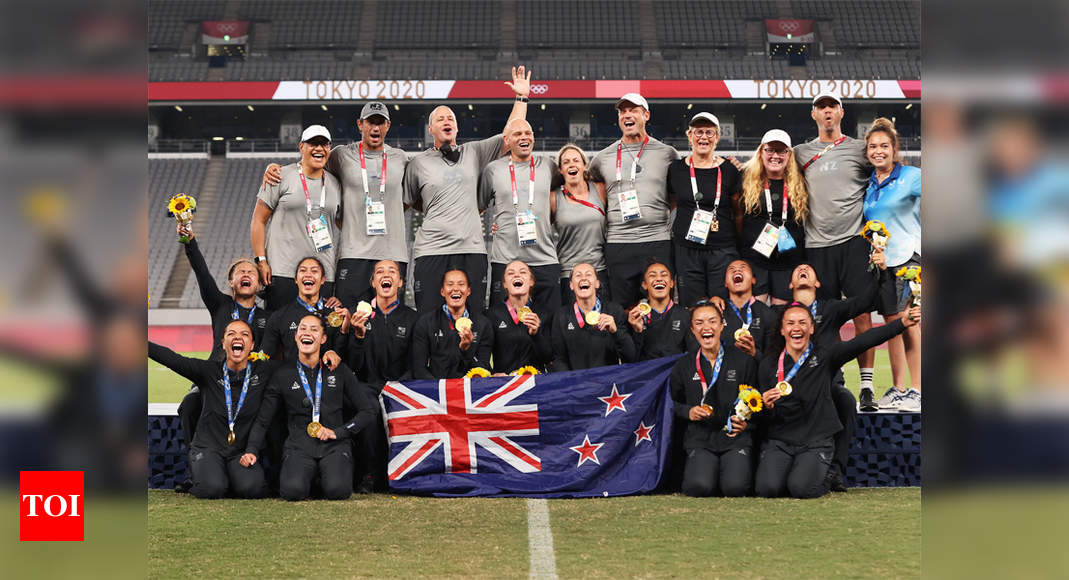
column 876, row 233
column 746, row 404
column 259, row 355
column 524, row 370
column 477, row 372
column 912, row 276
column 181, row 207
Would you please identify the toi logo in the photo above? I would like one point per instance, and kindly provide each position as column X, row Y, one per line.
column 51, row 506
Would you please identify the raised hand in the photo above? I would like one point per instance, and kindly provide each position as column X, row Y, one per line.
column 521, row 81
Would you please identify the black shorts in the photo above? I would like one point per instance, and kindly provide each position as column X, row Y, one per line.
column 776, row 283
column 700, row 271
column 625, row 264
column 842, row 269
column 429, row 270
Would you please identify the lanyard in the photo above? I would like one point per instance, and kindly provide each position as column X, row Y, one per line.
column 569, row 195
column 449, row 315
column 768, row 203
column 794, row 369
column 749, row 312
column 308, row 389
column 512, row 311
column 649, row 317
column 694, row 185
column 385, row 311
column 363, row 173
column 716, row 369
column 311, row 309
column 307, row 197
column 634, row 166
column 232, row 415
column 234, row 315
column 530, row 192
column 821, row 154
column 579, row 313
column 813, row 309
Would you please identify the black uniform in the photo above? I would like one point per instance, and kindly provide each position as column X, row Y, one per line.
column 514, row 346
column 305, row 455
column 798, row 450
column 436, row 350
column 278, row 337
column 762, row 327
column 578, row 345
column 665, row 334
column 716, row 464
column 384, row 353
column 773, row 273
column 215, row 464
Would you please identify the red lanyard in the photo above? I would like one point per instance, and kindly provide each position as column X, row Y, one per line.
column 307, row 197
column 530, row 192
column 363, row 172
column 619, row 158
column 512, row 312
column 694, row 184
column 768, row 202
column 568, row 195
column 579, row 313
column 821, row 154
column 701, row 375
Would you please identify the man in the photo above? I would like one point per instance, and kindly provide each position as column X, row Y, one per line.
column 518, row 187
column 442, row 182
column 742, row 310
column 313, row 398
column 634, row 170
column 451, row 340
column 373, row 213
column 660, row 327
column 838, row 176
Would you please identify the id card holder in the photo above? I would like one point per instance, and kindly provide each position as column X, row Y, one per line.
column 767, row 241
column 629, row 207
column 320, row 233
column 525, row 229
column 785, row 242
column 376, row 218
column 700, row 225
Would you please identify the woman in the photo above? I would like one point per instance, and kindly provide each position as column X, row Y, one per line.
column 278, row 337
column 519, row 337
column 585, row 333
column 701, row 186
column 578, row 211
column 766, row 178
column 894, row 198
column 704, row 385
column 300, row 216
column 450, row 341
column 800, row 420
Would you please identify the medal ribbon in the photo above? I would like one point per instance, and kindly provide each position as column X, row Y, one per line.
column 634, row 166
column 794, row 369
column 363, row 173
column 716, row 370
column 821, row 154
column 530, row 192
column 694, row 185
column 749, row 312
column 568, row 195
column 307, row 197
column 232, row 417
column 649, row 317
column 768, row 203
column 512, row 311
column 449, row 315
column 311, row 309
column 579, row 313
column 308, row 389
column 385, row 311
column 234, row 315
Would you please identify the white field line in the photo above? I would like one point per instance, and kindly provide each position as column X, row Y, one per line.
column 540, row 540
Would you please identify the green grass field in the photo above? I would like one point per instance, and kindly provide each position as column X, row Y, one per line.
column 862, row 533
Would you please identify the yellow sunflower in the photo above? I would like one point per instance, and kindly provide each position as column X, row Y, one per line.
column 911, row 273
column 180, row 203
column 751, row 397
column 525, row 370
column 874, row 227
column 477, row 372
column 258, row 355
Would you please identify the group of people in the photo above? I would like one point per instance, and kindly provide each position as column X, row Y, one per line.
column 634, row 253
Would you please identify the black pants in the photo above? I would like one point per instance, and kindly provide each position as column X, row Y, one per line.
column 335, row 471
column 626, row 263
column 794, row 470
column 189, row 413
column 846, row 408
column 429, row 270
column 371, row 451
column 353, row 282
column 700, row 272
column 283, row 291
column 728, row 474
column 545, row 294
column 567, row 296
column 214, row 474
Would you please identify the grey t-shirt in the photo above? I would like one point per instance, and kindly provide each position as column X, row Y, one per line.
column 580, row 231
column 355, row 243
column 650, row 183
column 837, row 184
column 288, row 241
column 495, row 190
column 448, row 193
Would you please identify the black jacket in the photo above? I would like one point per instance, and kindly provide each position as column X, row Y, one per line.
column 278, row 338
column 685, row 384
column 664, row 335
column 436, row 350
column 385, row 352
column 582, row 346
column 764, row 324
column 514, row 346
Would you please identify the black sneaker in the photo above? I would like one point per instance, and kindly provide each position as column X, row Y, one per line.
column 867, row 401
column 183, row 486
column 834, row 479
column 367, row 485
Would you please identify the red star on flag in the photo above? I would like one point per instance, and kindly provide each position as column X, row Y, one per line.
column 614, row 401
column 587, row 451
column 643, row 433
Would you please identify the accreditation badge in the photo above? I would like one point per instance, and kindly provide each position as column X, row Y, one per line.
column 767, row 241
column 525, row 229
column 320, row 233
column 376, row 218
column 629, row 207
column 700, row 225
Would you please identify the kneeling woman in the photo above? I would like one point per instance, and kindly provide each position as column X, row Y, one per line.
column 704, row 385
column 226, row 417
column 799, row 412
column 319, row 435
column 520, row 339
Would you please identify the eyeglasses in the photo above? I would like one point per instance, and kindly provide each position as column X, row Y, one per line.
column 703, row 132
column 777, row 151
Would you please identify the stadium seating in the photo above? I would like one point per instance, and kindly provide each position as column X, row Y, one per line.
column 749, row 67
column 891, row 23
column 708, row 24
column 308, row 24
column 405, row 24
column 167, row 177
column 167, row 19
column 564, row 23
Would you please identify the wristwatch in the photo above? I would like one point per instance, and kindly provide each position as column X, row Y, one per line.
column 259, row 259
column 522, row 99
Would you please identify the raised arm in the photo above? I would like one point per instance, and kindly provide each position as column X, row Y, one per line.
column 258, row 233
column 189, row 368
column 521, row 85
column 209, row 290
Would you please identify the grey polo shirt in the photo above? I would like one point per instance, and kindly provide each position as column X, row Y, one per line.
column 288, row 241
column 355, row 243
column 650, row 183
column 495, row 190
column 837, row 184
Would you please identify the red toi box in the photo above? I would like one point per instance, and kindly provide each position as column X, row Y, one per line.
column 51, row 506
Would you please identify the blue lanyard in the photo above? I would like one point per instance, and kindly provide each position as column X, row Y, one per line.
column 308, row 389
column 445, row 308
column 311, row 310
column 797, row 364
column 716, row 370
column 749, row 312
column 234, row 315
column 232, row 415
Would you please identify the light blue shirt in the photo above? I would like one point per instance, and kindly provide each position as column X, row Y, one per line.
column 897, row 203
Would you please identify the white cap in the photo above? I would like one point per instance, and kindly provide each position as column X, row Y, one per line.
column 633, row 98
column 828, row 95
column 707, row 116
column 315, row 131
column 777, row 135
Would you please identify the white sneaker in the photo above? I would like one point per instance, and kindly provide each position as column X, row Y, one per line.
column 891, row 399
column 910, row 402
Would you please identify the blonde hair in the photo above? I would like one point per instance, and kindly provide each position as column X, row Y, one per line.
column 794, row 185
column 887, row 127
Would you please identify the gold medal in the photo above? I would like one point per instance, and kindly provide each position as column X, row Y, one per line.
column 230, row 437
column 708, row 407
column 334, row 319
column 363, row 307
column 523, row 312
column 714, row 226
column 741, row 333
column 593, row 317
column 644, row 308
column 463, row 323
column 784, row 388
column 313, row 428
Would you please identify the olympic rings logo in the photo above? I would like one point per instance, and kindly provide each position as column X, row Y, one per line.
column 539, row 89
column 788, row 25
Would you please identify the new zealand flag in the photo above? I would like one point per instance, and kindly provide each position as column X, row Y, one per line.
column 595, row 432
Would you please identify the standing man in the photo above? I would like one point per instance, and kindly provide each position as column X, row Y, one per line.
column 373, row 213
column 634, row 171
column 443, row 184
column 838, row 172
column 518, row 187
